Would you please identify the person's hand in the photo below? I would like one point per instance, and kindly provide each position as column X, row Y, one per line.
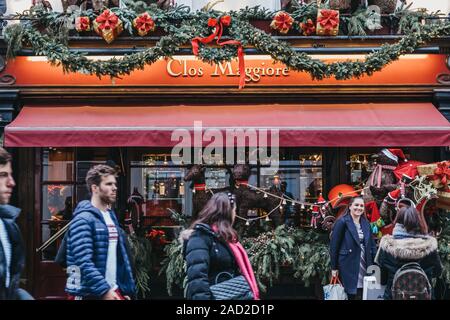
column 334, row 273
column 111, row 295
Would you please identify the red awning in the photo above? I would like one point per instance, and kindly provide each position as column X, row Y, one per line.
column 327, row 125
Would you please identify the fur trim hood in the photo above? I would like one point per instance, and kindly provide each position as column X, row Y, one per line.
column 186, row 234
column 408, row 248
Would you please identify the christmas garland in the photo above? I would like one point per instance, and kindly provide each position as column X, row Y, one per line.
column 181, row 27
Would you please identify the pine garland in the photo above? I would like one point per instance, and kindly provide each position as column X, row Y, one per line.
column 174, row 266
column 182, row 26
column 141, row 257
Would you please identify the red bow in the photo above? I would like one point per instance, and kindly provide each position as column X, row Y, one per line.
column 308, row 28
column 442, row 172
column 282, row 22
column 144, row 22
column 219, row 25
column 328, row 19
column 107, row 20
column 82, row 23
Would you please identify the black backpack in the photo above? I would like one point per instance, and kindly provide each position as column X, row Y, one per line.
column 411, row 283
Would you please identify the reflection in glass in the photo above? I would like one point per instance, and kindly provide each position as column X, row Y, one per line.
column 57, row 164
column 57, row 208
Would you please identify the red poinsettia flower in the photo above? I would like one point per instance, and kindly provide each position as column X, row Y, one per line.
column 212, row 22
column 226, row 20
column 282, row 22
column 308, row 28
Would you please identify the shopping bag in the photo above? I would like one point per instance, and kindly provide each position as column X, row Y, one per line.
column 372, row 290
column 334, row 290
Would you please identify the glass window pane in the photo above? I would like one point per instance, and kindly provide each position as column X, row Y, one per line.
column 217, row 178
column 311, row 159
column 162, row 188
column 303, row 184
column 83, row 167
column 56, row 201
column 360, row 168
column 57, row 164
column 310, row 184
column 57, row 208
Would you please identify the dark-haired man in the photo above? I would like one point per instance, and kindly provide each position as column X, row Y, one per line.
column 98, row 266
column 12, row 253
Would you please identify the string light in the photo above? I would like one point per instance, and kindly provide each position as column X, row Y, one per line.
column 265, row 195
column 303, row 207
column 284, row 202
column 247, row 223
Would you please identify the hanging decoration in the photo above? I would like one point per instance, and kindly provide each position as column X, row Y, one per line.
column 308, row 28
column 82, row 24
column 219, row 25
column 144, row 24
column 32, row 31
column 108, row 26
column 282, row 22
column 327, row 22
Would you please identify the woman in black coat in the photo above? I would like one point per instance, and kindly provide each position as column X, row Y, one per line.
column 209, row 249
column 408, row 243
column 352, row 248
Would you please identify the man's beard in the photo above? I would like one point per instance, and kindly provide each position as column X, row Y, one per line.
column 107, row 200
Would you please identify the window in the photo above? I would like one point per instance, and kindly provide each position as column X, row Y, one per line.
column 63, row 185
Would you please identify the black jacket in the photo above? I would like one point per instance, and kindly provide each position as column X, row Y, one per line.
column 8, row 214
column 394, row 253
column 206, row 256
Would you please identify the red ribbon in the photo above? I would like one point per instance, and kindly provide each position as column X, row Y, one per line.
column 107, row 20
column 239, row 182
column 200, row 187
column 82, row 23
column 219, row 25
column 442, row 172
column 145, row 23
column 308, row 28
column 328, row 19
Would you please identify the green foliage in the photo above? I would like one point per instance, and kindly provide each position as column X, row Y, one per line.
column 444, row 249
column 268, row 252
column 311, row 256
column 141, row 258
column 174, row 266
column 182, row 26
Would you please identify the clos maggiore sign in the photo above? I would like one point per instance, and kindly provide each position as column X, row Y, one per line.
column 259, row 71
column 190, row 68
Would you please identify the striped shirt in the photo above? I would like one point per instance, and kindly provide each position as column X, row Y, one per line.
column 362, row 262
column 111, row 260
column 6, row 245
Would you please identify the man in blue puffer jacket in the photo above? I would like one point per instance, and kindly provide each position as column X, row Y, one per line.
column 98, row 266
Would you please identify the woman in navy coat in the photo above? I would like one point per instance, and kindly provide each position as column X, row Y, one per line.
column 352, row 248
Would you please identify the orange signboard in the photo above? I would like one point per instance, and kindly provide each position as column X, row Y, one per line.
column 260, row 70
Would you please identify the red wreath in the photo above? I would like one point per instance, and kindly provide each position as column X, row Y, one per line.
column 282, row 22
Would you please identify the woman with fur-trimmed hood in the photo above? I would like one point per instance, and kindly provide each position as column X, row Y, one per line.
column 409, row 242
